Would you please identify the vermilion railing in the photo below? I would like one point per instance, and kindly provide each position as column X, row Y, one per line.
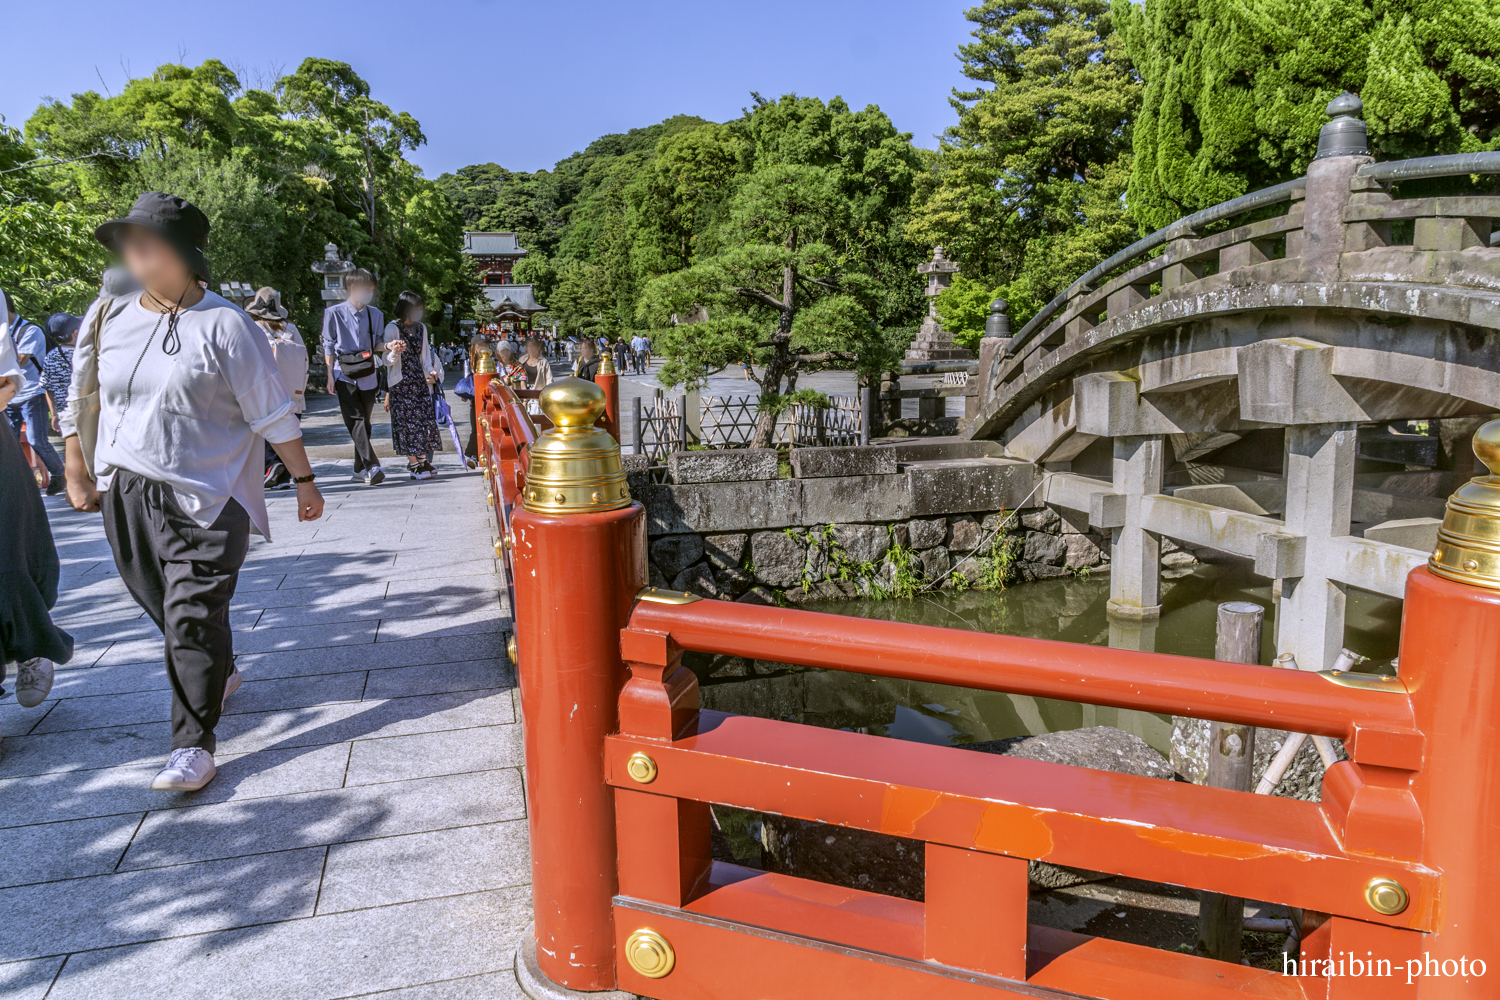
column 1395, row 865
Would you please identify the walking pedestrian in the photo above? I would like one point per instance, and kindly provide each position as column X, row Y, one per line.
column 587, row 365
column 645, row 353
column 414, row 370
column 291, row 363
column 27, row 410
column 57, row 370
column 172, row 390
column 638, row 353
column 622, row 355
column 29, row 567
column 534, row 367
column 352, row 350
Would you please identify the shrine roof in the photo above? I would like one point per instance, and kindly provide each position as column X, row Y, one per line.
column 498, row 244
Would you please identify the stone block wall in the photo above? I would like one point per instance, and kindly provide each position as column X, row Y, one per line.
column 859, row 522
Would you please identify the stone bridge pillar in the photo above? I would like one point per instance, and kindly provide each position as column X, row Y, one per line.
column 1319, row 496
column 1135, row 553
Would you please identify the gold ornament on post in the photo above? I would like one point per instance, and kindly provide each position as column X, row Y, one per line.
column 649, row 953
column 1468, row 547
column 575, row 467
column 606, row 364
column 484, row 364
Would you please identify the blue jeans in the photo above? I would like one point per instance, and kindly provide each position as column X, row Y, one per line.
column 34, row 413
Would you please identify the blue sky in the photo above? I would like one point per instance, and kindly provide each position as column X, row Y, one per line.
column 522, row 84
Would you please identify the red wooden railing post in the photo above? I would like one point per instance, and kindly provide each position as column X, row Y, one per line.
column 579, row 548
column 1450, row 661
column 609, row 380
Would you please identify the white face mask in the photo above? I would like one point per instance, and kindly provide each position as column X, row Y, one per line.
column 361, row 296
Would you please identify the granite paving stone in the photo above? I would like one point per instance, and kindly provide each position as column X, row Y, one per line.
column 31, row 980
column 307, row 819
column 124, row 907
column 376, row 729
column 43, row 852
column 383, row 948
column 427, row 755
column 425, row 865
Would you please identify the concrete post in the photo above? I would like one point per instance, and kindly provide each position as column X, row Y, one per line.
column 692, row 411
column 1135, row 553
column 1319, row 494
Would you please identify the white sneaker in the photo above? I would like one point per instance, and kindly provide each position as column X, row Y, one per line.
column 231, row 686
column 187, row 770
column 33, row 681
column 375, row 476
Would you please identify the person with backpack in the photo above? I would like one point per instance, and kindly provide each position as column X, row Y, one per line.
column 414, row 370
column 28, row 408
column 173, row 390
column 57, row 370
column 291, row 362
column 352, row 349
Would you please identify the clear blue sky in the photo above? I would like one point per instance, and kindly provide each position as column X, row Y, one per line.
column 522, row 84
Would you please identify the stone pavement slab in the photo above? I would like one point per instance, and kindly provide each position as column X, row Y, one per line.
column 366, row 832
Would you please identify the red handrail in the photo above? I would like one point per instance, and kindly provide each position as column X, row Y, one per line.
column 1152, row 682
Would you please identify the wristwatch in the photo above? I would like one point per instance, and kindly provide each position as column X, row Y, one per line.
column 305, row 479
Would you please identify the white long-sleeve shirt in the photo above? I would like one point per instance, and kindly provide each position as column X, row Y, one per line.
column 192, row 419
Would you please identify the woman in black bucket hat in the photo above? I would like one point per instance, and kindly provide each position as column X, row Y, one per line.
column 172, row 389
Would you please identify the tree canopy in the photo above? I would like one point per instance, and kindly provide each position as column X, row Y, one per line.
column 279, row 173
column 778, row 237
column 1025, row 189
column 1235, row 89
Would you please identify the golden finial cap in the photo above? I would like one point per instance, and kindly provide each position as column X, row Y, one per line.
column 1468, row 547
column 574, row 467
column 607, row 364
column 484, row 364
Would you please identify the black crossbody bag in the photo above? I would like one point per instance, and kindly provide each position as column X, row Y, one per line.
column 358, row 364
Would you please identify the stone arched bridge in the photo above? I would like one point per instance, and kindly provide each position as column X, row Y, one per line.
column 1262, row 390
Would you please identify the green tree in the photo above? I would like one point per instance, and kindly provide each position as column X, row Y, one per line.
column 279, row 173
column 794, row 281
column 1028, row 182
column 964, row 307
column 1235, row 89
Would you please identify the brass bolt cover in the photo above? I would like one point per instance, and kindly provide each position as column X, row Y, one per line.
column 641, row 768
column 649, row 953
column 489, row 498
column 1468, row 548
column 1386, row 896
column 510, row 650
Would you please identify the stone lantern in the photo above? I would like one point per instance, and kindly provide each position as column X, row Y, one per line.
column 334, row 271
column 933, row 343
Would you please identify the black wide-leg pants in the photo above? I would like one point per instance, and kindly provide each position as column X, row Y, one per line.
column 357, row 405
column 183, row 575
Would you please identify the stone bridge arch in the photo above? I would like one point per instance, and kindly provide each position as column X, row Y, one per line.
column 1262, row 390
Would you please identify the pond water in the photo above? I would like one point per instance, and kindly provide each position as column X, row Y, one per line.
column 1072, row 610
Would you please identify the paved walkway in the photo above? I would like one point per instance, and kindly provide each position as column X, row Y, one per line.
column 365, row 836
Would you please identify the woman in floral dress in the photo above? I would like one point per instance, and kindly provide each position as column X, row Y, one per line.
column 413, row 369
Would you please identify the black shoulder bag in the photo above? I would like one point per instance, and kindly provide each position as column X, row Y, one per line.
column 359, row 364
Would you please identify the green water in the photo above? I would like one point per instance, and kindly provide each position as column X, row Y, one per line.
column 1072, row 610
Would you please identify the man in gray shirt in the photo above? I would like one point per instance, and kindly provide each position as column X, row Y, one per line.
column 350, row 327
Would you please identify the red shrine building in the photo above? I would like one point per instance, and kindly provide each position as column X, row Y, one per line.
column 496, row 254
